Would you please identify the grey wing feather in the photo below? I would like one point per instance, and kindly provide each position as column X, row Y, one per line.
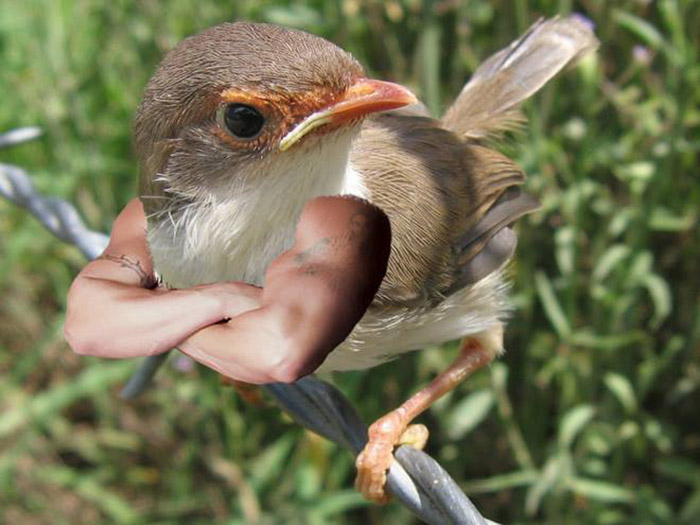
column 489, row 102
column 490, row 243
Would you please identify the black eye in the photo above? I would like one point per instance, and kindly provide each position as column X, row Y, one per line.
column 243, row 121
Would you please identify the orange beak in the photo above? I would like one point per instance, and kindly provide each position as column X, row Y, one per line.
column 365, row 96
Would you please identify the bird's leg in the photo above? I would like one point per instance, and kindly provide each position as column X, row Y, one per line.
column 393, row 428
column 251, row 394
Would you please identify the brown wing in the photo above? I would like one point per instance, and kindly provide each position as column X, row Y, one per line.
column 448, row 202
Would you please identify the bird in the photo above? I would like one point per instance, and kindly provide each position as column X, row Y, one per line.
column 244, row 123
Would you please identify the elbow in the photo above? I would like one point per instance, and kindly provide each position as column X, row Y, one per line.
column 80, row 337
column 74, row 329
column 287, row 374
column 299, row 348
column 77, row 340
column 296, row 362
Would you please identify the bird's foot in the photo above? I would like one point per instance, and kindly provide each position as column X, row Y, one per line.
column 375, row 459
column 394, row 429
column 372, row 465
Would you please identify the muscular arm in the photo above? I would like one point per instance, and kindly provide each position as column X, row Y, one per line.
column 314, row 295
column 115, row 308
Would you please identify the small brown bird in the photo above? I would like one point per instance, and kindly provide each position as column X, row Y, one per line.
column 244, row 123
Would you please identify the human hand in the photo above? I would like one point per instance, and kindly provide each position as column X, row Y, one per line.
column 232, row 298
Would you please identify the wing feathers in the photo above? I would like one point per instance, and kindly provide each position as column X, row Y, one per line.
column 488, row 244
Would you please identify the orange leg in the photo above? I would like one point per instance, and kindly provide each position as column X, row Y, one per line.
column 251, row 394
column 393, row 428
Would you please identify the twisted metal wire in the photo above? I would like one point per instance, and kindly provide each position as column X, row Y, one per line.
column 415, row 479
column 57, row 216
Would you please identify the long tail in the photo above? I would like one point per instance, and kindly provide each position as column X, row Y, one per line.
column 489, row 102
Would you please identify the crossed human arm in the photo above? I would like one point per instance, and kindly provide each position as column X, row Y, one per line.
column 314, row 294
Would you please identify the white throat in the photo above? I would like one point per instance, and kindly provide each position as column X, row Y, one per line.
column 235, row 234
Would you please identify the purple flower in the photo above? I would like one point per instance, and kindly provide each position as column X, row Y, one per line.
column 183, row 363
column 641, row 55
column 584, row 20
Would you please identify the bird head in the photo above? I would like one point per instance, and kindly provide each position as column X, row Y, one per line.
column 243, row 103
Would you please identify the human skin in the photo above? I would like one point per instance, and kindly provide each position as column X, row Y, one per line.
column 314, row 294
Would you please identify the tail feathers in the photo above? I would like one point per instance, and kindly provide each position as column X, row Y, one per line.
column 489, row 102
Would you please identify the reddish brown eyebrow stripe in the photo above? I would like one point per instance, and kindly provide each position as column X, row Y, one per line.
column 285, row 104
column 286, row 108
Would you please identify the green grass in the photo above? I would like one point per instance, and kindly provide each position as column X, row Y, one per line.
column 592, row 415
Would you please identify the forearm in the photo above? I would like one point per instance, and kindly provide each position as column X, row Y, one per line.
column 254, row 347
column 110, row 319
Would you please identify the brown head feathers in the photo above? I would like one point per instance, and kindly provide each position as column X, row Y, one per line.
column 278, row 66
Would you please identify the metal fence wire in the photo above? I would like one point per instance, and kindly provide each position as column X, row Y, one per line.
column 415, row 479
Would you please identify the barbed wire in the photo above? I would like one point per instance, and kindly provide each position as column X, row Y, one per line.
column 57, row 216
column 415, row 479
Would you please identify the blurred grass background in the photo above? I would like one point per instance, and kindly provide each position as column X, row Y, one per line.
column 592, row 415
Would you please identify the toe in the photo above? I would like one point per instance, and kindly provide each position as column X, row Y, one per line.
column 372, row 464
column 415, row 436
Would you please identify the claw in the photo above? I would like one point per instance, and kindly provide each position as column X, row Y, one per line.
column 372, row 465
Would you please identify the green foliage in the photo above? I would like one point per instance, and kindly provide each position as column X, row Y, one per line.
column 591, row 416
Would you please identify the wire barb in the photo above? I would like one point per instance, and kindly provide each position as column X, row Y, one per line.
column 415, row 479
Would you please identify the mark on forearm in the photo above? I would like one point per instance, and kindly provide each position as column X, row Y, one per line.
column 146, row 280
